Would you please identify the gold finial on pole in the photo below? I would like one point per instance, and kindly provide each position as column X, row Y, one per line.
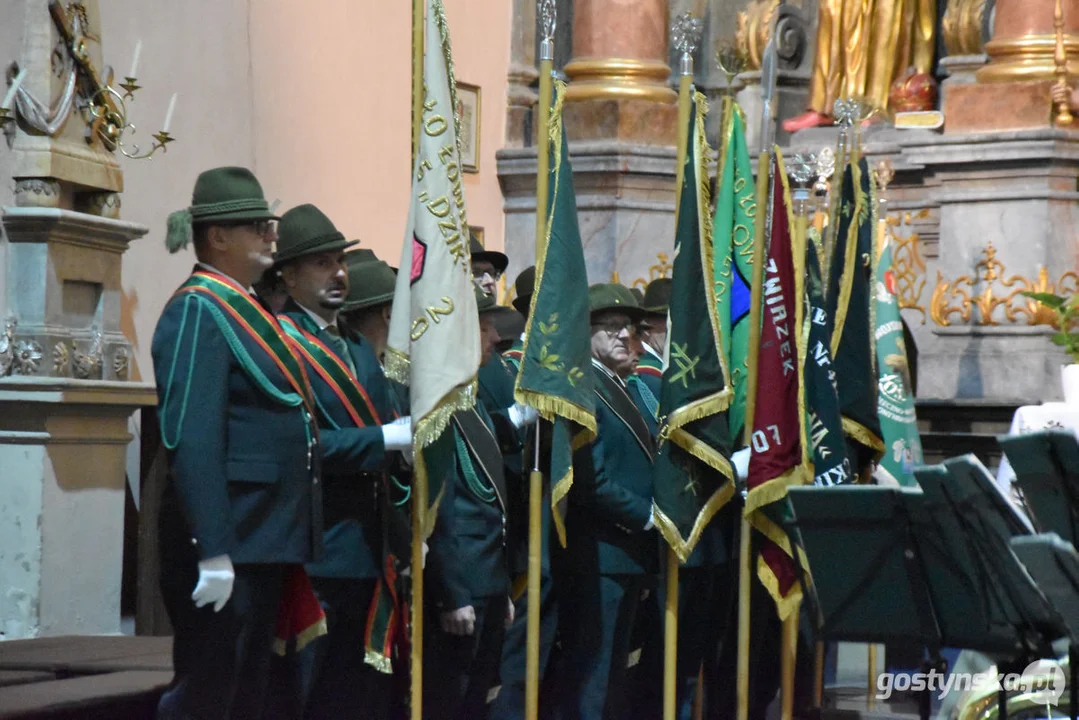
column 1061, row 89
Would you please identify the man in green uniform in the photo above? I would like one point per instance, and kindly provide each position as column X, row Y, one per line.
column 611, row 553
column 347, row 674
column 468, row 578
column 241, row 505
column 522, row 300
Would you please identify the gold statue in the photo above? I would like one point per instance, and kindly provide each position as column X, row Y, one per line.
column 863, row 46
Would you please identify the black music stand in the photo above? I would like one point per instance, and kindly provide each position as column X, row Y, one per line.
column 1054, row 565
column 1046, row 466
column 893, row 565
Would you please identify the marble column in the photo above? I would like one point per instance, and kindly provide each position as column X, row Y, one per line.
column 1024, row 40
column 1012, row 91
column 618, row 78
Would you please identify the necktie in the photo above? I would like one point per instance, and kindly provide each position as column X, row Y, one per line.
column 340, row 346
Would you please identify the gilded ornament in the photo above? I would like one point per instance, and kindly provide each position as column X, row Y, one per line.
column 755, row 26
column 27, row 357
column 961, row 27
column 1061, row 92
column 60, row 359
column 120, row 363
column 907, row 261
column 87, row 366
column 660, row 270
column 7, row 347
column 962, row 297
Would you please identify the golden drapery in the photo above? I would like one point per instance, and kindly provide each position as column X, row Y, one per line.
column 864, row 45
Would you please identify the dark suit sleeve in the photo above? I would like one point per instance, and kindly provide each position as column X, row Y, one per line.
column 350, row 450
column 192, row 362
column 444, row 557
column 610, row 500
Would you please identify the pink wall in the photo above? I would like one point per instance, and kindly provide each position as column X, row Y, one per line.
column 332, row 109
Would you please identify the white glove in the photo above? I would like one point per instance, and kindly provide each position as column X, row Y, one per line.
column 651, row 520
column 216, row 577
column 398, row 435
column 740, row 461
column 523, row 415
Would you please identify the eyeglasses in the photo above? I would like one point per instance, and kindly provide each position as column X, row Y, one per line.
column 614, row 327
column 480, row 273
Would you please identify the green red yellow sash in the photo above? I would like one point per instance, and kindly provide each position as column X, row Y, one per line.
column 334, row 373
column 257, row 322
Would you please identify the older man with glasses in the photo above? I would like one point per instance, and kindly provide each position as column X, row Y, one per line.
column 611, row 553
column 487, row 267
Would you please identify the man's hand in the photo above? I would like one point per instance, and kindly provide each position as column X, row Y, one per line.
column 740, row 462
column 216, row 577
column 461, row 621
column 510, row 612
column 522, row 415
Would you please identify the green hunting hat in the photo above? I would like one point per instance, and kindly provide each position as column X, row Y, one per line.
column 657, row 297
column 225, row 196
column 639, row 294
column 360, row 255
column 305, row 230
column 500, row 261
column 612, row 296
column 369, row 284
column 509, row 323
column 485, row 303
column 523, row 287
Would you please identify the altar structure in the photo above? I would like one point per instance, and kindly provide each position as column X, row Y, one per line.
column 979, row 210
column 66, row 391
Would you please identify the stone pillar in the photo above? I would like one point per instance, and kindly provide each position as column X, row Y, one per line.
column 65, row 390
column 620, row 118
column 520, row 97
column 618, row 78
column 1012, row 91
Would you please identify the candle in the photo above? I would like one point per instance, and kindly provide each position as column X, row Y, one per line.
column 168, row 115
column 135, row 60
column 11, row 90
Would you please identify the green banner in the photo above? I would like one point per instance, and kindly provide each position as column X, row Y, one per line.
column 693, row 475
column 895, row 397
column 555, row 374
column 736, row 212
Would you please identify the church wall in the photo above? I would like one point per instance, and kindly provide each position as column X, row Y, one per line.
column 317, row 103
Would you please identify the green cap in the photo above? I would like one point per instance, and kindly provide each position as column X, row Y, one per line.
column 612, row 296
column 657, row 297
column 305, row 230
column 369, row 284
column 523, row 287
column 225, row 196
column 485, row 303
column 360, row 255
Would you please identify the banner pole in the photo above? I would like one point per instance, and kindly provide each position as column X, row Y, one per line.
column 548, row 18
column 419, row 494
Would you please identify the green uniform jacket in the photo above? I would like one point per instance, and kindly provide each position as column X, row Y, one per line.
column 243, row 466
column 611, row 499
column 354, row 463
column 467, row 558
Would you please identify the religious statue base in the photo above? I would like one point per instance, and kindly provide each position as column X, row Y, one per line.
column 996, row 107
column 63, row 446
column 625, row 208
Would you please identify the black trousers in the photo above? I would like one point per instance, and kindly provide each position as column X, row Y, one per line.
column 221, row 660
column 341, row 685
column 510, row 703
column 597, row 614
column 460, row 670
